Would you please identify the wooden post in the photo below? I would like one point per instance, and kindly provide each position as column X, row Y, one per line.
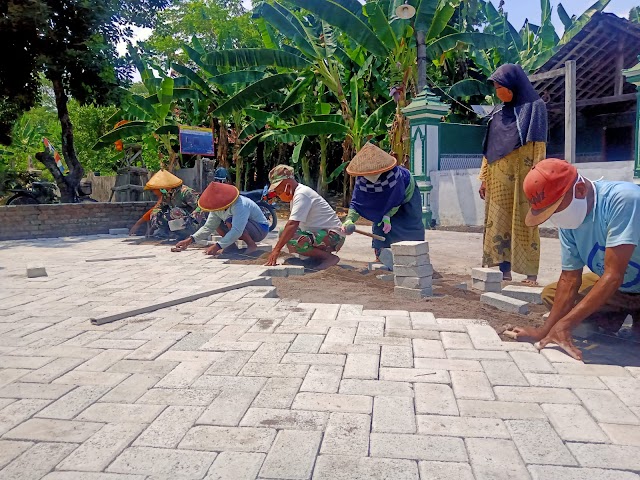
column 570, row 112
column 618, row 87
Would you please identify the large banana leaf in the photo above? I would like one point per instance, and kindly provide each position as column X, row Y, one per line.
column 250, row 147
column 165, row 97
column 547, row 33
column 254, row 92
column 441, row 19
column 286, row 24
column 469, row 87
column 330, row 117
column 336, row 173
column 167, row 130
column 258, row 114
column 566, row 20
column 335, row 14
column 144, row 105
column 312, row 129
column 378, row 118
column 480, row 41
column 380, row 25
column 532, row 64
column 255, row 57
column 267, row 33
column 291, row 111
column 354, row 6
column 301, row 87
column 425, row 11
column 238, row 77
column 188, row 94
column 131, row 129
column 193, row 77
column 583, row 19
column 297, row 150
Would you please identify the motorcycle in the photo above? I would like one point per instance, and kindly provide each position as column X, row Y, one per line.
column 260, row 197
column 47, row 193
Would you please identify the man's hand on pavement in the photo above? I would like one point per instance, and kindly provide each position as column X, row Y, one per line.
column 560, row 335
column 528, row 334
column 272, row 261
column 213, row 250
column 183, row 244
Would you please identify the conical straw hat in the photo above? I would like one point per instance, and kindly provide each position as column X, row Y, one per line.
column 163, row 179
column 218, row 196
column 370, row 160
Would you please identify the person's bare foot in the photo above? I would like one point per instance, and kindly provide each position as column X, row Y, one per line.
column 530, row 281
column 251, row 249
column 330, row 261
column 506, row 276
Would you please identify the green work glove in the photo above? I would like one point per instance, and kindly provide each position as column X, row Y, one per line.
column 386, row 224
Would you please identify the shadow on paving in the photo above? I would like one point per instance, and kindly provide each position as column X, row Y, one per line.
column 597, row 347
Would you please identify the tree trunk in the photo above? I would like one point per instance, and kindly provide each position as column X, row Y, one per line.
column 72, row 179
column 306, row 170
column 261, row 166
column 347, row 156
column 50, row 163
column 322, row 176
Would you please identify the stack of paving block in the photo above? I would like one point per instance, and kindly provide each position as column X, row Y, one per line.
column 412, row 269
column 486, row 280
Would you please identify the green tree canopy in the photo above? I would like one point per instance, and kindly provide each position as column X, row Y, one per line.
column 216, row 23
column 72, row 43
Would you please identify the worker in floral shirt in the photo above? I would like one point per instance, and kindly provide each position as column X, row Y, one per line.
column 175, row 201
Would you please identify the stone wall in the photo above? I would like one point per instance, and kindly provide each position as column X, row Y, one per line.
column 61, row 220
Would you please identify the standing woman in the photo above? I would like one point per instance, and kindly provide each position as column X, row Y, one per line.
column 516, row 140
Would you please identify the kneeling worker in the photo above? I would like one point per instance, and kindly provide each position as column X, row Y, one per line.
column 314, row 229
column 599, row 226
column 232, row 216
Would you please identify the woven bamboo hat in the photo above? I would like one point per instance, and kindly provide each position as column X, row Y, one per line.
column 370, row 160
column 163, row 179
column 218, row 196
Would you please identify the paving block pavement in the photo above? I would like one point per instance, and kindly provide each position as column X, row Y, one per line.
column 245, row 385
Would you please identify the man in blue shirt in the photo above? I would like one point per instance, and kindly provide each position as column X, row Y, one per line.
column 231, row 215
column 599, row 225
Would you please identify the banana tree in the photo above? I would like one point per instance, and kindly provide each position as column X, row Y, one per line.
column 154, row 114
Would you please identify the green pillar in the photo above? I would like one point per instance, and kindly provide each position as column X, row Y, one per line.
column 633, row 76
column 425, row 115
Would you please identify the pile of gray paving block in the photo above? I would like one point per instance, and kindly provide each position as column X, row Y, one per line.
column 486, row 280
column 512, row 299
column 412, row 269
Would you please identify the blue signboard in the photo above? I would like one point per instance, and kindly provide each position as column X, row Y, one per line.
column 196, row 141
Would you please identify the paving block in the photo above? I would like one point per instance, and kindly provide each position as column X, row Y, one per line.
column 236, row 466
column 389, row 277
column 416, row 294
column 467, row 427
column 362, row 366
column 292, row 456
column 413, row 249
column 462, row 286
column 35, row 271
column 606, row 407
column 421, row 271
column 170, row 427
column 495, row 287
column 574, row 424
column 471, row 386
column 538, row 443
column 386, row 258
column 393, row 415
column 332, row 467
column 495, row 459
column 504, row 303
column 284, row 271
column 327, row 402
column 374, row 266
column 548, row 472
column 526, row 294
column 376, row 388
column 118, row 231
column 163, row 462
column 446, row 471
column 435, row 399
column 417, row 447
column 613, row 456
column 347, row 434
column 234, row 439
column 264, row 247
column 285, row 419
column 488, row 275
column 322, row 379
column 411, row 260
column 419, row 283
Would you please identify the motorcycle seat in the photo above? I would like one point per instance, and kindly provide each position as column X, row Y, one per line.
column 255, row 195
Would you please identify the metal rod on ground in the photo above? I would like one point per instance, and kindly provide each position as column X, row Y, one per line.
column 119, row 258
column 256, row 282
column 371, row 235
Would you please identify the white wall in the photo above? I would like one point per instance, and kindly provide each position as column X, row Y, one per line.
column 455, row 200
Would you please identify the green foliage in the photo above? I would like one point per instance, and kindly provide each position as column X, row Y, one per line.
column 634, row 14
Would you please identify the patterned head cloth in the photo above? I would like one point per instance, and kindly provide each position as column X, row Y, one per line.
column 278, row 174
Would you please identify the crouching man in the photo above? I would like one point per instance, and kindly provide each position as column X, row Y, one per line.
column 313, row 230
column 232, row 216
column 599, row 226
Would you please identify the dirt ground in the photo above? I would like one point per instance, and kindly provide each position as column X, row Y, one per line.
column 353, row 283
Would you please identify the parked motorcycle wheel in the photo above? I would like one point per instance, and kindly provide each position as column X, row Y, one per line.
column 22, row 199
column 270, row 214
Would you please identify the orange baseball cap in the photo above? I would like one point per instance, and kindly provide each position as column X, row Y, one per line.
column 545, row 187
